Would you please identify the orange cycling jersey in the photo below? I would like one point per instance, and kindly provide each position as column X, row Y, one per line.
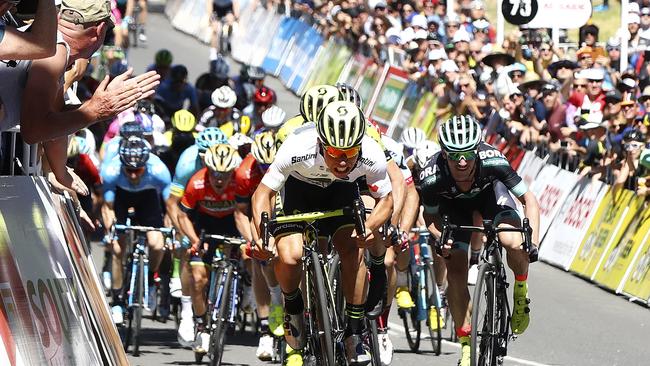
column 199, row 195
column 248, row 175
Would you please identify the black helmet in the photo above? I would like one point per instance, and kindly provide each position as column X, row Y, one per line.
column 634, row 135
column 134, row 152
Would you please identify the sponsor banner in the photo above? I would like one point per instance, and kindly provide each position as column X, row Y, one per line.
column 245, row 39
column 318, row 77
column 551, row 187
column 292, row 52
column 354, row 69
column 336, row 64
column 531, row 168
column 278, row 45
column 568, row 14
column 571, row 222
column 390, row 95
column 637, row 278
column 308, row 47
column 262, row 41
column 606, row 225
column 367, row 83
column 43, row 317
column 405, row 113
column 424, row 117
column 619, row 254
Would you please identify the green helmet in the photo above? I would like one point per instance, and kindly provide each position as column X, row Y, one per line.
column 164, row 58
column 459, row 133
column 342, row 125
column 315, row 99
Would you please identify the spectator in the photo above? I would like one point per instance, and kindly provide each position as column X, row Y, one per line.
column 39, row 42
column 175, row 91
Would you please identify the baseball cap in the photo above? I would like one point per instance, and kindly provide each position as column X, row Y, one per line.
column 419, row 21
column 437, row 54
column 448, row 66
column 86, row 11
column 645, row 11
column 592, row 74
column 461, row 36
column 633, row 7
column 633, row 18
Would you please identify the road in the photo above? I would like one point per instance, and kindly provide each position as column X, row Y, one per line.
column 573, row 321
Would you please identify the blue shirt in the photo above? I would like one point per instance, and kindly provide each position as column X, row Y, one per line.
column 156, row 177
column 175, row 99
column 188, row 163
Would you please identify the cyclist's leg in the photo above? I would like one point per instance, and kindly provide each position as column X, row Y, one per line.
column 143, row 13
column 263, row 299
column 215, row 24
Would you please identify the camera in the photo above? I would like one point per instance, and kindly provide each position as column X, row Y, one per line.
column 26, row 9
column 564, row 144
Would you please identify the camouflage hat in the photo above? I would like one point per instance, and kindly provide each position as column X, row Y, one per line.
column 86, row 11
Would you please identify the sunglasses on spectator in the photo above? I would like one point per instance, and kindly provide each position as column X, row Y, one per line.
column 581, row 58
column 516, row 75
column 485, row 31
column 610, row 49
column 461, row 62
column 545, row 49
column 594, row 81
column 452, row 25
column 579, row 85
column 457, row 156
column 337, row 153
column 634, row 145
column 513, row 97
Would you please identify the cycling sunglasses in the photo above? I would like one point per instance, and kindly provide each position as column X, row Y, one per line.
column 134, row 170
column 221, row 175
column 467, row 155
column 337, row 153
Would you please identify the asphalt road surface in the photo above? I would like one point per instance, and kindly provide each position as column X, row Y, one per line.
column 573, row 322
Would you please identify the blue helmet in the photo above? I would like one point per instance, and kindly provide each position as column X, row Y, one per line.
column 134, row 152
column 210, row 136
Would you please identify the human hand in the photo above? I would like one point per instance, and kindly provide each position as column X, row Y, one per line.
column 364, row 241
column 261, row 253
column 68, row 180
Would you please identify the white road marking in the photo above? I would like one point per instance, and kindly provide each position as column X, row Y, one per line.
column 399, row 330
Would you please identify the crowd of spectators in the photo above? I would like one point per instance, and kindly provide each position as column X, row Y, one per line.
column 45, row 46
column 571, row 101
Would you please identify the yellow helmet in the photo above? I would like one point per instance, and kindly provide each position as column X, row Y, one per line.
column 287, row 128
column 263, row 148
column 315, row 99
column 222, row 158
column 183, row 120
column 239, row 125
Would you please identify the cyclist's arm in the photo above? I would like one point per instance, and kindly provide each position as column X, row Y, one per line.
column 241, row 220
column 399, row 189
column 381, row 213
column 261, row 202
column 187, row 227
column 531, row 210
column 108, row 215
column 173, row 211
column 411, row 209
column 235, row 9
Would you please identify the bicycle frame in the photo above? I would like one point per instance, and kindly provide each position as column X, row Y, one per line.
column 139, row 254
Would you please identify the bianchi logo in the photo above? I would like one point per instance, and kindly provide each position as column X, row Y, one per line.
column 298, row 159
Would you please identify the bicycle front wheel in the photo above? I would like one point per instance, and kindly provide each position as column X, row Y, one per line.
column 433, row 304
column 484, row 323
column 322, row 309
column 137, row 315
column 373, row 342
column 218, row 331
column 410, row 316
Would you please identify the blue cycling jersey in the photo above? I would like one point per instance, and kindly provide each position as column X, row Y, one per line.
column 188, row 163
column 156, row 177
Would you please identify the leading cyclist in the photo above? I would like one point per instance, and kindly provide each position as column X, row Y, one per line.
column 135, row 179
column 317, row 166
column 469, row 175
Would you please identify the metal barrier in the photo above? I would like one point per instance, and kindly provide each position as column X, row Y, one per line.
column 19, row 158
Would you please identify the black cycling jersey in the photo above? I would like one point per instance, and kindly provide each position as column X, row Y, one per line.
column 492, row 166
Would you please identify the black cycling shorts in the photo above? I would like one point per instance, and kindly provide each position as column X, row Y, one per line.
column 219, row 12
column 212, row 225
column 147, row 204
column 493, row 203
column 301, row 197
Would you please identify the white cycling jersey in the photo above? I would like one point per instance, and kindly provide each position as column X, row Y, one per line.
column 396, row 151
column 300, row 158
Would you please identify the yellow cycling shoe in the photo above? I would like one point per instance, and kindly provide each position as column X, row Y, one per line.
column 276, row 317
column 521, row 311
column 294, row 358
column 433, row 313
column 465, row 351
column 403, row 297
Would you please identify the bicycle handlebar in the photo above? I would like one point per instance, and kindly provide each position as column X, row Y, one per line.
column 357, row 212
column 488, row 228
column 221, row 239
column 117, row 228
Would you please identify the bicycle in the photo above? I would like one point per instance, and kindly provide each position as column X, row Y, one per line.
column 135, row 27
column 491, row 328
column 136, row 270
column 223, row 297
column 324, row 329
column 424, row 289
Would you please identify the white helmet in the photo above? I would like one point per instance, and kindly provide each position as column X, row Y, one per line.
column 412, row 137
column 239, row 139
column 425, row 151
column 273, row 117
column 460, row 133
column 224, row 97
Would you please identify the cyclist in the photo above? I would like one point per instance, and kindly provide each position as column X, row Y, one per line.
column 268, row 296
column 135, row 179
column 317, row 167
column 263, row 99
column 211, row 202
column 272, row 119
column 181, row 136
column 411, row 138
column 249, row 79
column 173, row 92
column 142, row 16
column 112, row 147
column 222, row 113
column 469, row 175
column 220, row 11
column 190, row 161
column 162, row 63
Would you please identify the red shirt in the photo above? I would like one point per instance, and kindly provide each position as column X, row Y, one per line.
column 200, row 195
column 248, row 175
column 87, row 171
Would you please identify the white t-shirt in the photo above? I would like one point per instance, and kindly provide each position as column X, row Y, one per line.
column 300, row 158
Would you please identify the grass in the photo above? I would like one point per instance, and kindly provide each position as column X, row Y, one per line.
column 608, row 21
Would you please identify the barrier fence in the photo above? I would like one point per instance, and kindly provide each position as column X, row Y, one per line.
column 589, row 228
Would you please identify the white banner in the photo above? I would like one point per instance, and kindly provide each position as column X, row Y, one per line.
column 532, row 167
column 551, row 186
column 572, row 222
column 568, row 14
